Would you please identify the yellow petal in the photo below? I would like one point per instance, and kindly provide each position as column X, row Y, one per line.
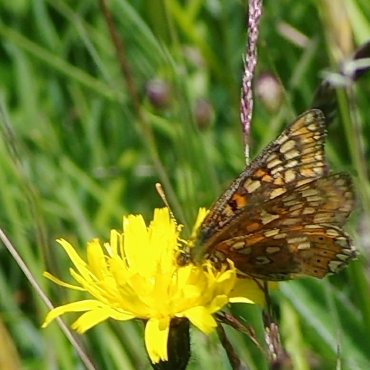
column 202, row 213
column 218, row 302
column 96, row 259
column 201, row 318
column 247, row 291
column 156, row 334
column 61, row 282
column 89, row 319
column 79, row 263
column 86, row 305
column 94, row 317
column 163, row 237
column 136, row 241
column 114, row 246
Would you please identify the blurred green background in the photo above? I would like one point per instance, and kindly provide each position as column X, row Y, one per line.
column 76, row 154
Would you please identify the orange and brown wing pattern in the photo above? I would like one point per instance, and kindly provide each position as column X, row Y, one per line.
column 327, row 200
column 295, row 234
column 282, row 217
column 287, row 253
column 295, row 158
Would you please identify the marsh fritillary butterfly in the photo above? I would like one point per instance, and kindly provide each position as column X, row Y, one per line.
column 282, row 217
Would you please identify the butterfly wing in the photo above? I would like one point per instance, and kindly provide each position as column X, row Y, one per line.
column 282, row 217
column 291, row 252
column 295, row 158
column 298, row 233
column 328, row 199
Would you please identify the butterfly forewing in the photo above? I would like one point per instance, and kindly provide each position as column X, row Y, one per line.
column 286, row 190
column 294, row 158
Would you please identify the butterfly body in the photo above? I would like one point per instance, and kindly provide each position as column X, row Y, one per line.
column 282, row 217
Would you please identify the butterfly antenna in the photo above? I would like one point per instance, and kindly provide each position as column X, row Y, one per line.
column 161, row 193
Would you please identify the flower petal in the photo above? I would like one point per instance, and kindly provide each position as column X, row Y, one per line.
column 247, row 291
column 61, row 282
column 156, row 335
column 202, row 213
column 201, row 318
column 94, row 317
column 79, row 263
column 135, row 241
column 88, row 320
column 96, row 259
column 78, row 306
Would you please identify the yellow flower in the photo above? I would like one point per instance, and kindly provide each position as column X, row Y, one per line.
column 135, row 275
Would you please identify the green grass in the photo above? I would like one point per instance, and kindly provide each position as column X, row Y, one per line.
column 75, row 156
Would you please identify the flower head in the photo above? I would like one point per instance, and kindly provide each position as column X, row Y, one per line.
column 136, row 275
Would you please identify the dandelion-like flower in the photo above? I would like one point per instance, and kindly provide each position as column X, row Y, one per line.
column 136, row 276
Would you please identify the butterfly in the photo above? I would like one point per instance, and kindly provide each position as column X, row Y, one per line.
column 282, row 217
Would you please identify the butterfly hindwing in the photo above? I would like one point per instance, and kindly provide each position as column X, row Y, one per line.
column 328, row 200
column 281, row 254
